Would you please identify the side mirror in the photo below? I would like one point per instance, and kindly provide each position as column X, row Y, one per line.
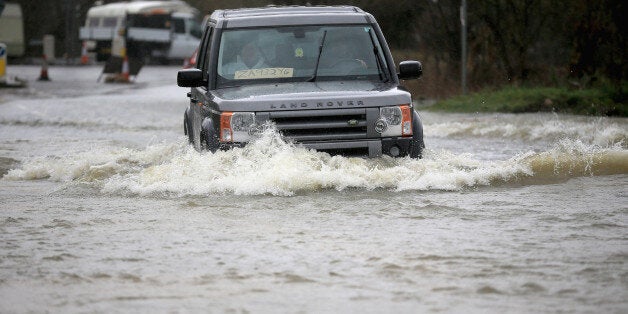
column 410, row 70
column 190, row 78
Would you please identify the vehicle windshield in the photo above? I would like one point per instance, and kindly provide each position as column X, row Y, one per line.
column 299, row 54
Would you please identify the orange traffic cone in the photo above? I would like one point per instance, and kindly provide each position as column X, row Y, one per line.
column 43, row 75
column 124, row 76
column 84, row 56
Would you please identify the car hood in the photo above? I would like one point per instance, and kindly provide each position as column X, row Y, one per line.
column 308, row 95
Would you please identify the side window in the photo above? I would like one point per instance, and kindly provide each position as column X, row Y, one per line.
column 179, row 25
column 203, row 55
column 109, row 22
column 94, row 22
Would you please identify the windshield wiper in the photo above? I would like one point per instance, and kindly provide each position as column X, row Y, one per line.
column 378, row 58
column 318, row 59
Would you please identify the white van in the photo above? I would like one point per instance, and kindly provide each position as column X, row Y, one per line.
column 12, row 29
column 164, row 29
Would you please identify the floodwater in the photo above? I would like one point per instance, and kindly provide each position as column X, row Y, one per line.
column 105, row 208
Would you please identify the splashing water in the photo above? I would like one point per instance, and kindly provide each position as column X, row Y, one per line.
column 598, row 131
column 269, row 165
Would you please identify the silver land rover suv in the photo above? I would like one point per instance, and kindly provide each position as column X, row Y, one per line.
column 324, row 77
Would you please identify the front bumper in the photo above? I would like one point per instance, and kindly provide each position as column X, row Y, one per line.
column 394, row 147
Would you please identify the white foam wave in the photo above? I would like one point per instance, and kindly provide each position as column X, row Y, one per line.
column 571, row 158
column 271, row 166
column 603, row 132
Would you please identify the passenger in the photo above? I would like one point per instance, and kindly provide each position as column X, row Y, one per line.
column 248, row 58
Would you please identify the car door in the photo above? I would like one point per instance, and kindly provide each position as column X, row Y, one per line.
column 199, row 95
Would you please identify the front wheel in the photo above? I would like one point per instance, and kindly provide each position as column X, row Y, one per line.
column 417, row 137
column 417, row 147
column 209, row 138
column 186, row 129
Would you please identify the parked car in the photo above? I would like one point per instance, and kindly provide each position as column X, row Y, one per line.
column 161, row 30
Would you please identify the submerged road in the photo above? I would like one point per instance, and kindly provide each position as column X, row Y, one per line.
column 105, row 208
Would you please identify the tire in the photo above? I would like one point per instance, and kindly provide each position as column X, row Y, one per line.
column 417, row 137
column 209, row 139
column 417, row 147
column 187, row 129
column 203, row 141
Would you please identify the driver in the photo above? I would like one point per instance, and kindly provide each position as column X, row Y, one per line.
column 339, row 54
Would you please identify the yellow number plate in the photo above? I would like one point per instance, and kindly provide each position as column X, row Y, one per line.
column 263, row 73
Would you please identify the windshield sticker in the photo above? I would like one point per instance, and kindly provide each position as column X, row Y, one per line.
column 298, row 52
column 263, row 73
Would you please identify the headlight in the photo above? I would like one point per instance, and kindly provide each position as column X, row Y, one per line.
column 242, row 121
column 236, row 126
column 398, row 120
column 391, row 114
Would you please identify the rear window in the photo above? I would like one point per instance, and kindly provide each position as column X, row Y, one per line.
column 149, row 20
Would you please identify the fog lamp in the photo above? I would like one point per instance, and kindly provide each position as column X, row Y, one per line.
column 381, row 126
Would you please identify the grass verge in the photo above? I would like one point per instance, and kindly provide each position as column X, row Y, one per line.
column 602, row 101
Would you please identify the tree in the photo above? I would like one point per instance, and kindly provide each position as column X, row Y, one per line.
column 598, row 39
column 515, row 27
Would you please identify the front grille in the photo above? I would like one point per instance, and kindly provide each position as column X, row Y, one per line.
column 322, row 125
